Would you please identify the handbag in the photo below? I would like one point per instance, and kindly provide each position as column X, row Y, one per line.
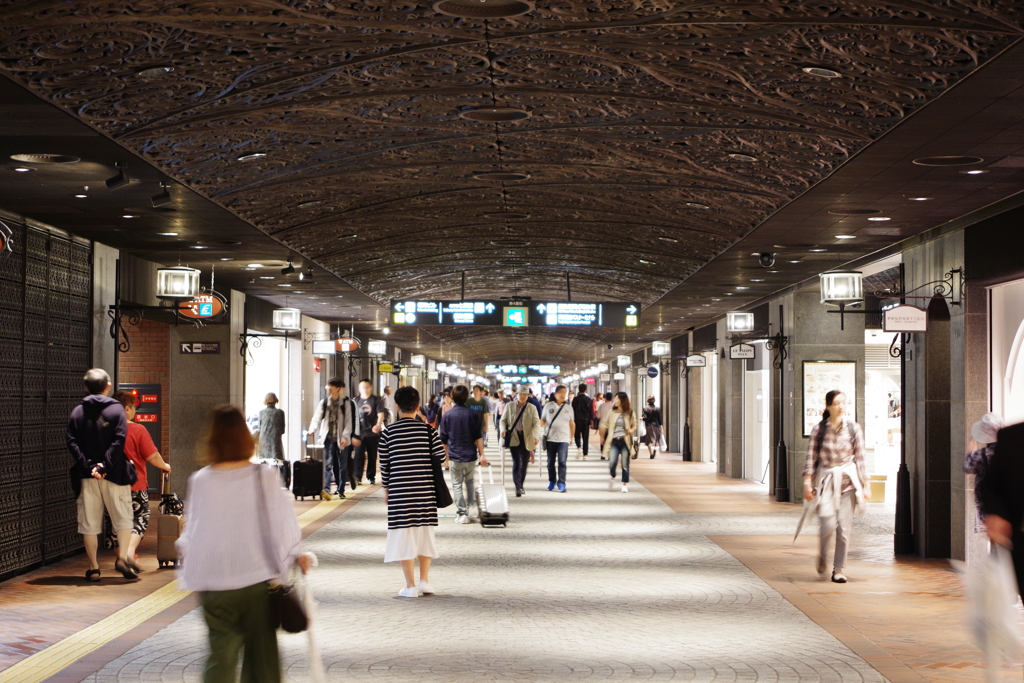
column 287, row 611
column 508, row 434
column 442, row 496
column 544, row 439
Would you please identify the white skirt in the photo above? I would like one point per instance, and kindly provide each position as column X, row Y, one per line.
column 410, row 543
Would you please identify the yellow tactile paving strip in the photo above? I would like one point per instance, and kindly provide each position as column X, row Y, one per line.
column 46, row 663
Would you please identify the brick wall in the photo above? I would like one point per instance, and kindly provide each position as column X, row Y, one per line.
column 148, row 362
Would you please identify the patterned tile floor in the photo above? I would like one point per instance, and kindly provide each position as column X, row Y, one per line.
column 588, row 585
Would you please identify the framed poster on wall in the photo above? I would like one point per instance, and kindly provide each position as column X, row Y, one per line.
column 821, row 377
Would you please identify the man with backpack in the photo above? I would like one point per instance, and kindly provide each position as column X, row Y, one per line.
column 334, row 421
column 582, row 410
column 835, row 475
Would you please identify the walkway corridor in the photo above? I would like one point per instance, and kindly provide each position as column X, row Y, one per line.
column 694, row 579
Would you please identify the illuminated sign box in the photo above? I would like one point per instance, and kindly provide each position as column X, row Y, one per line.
column 500, row 312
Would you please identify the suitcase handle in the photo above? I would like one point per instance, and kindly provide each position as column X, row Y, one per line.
column 165, row 484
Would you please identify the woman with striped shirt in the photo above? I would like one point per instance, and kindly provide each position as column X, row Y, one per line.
column 408, row 448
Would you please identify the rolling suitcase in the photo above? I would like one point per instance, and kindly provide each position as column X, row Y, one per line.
column 307, row 478
column 492, row 501
column 169, row 525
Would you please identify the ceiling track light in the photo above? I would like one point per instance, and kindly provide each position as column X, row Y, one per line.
column 162, row 198
column 307, row 275
column 288, row 270
column 121, row 179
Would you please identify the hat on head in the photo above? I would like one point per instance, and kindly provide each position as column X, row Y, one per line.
column 524, row 390
column 985, row 429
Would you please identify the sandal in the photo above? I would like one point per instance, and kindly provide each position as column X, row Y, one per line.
column 92, row 575
column 126, row 570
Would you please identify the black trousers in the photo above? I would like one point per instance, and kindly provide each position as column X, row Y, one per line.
column 520, row 461
column 583, row 434
column 365, row 459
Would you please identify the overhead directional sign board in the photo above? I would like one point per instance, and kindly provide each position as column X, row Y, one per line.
column 523, row 369
column 500, row 313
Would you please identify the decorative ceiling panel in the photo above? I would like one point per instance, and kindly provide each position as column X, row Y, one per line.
column 659, row 132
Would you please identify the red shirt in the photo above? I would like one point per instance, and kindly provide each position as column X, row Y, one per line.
column 138, row 446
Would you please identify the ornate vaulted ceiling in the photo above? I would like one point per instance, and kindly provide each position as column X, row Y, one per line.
column 659, row 132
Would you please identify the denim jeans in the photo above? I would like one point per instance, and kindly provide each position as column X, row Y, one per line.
column 561, row 452
column 462, row 485
column 613, row 460
column 335, row 464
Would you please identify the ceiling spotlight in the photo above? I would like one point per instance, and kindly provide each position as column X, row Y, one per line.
column 741, row 287
column 667, row 239
column 81, row 196
column 163, row 197
column 846, row 237
column 308, row 275
column 199, row 246
column 128, row 215
column 154, row 71
column 696, row 205
column 284, row 284
column 225, row 259
column 879, row 218
column 251, row 157
column 351, row 236
column 121, row 179
column 22, row 169
column 977, row 171
column 288, row 270
column 174, row 234
column 817, row 251
column 919, row 199
column 254, row 265
column 386, row 330
column 266, row 277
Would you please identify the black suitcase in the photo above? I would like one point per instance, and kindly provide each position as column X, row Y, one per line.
column 307, row 478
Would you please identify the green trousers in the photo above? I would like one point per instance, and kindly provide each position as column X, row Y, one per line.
column 241, row 620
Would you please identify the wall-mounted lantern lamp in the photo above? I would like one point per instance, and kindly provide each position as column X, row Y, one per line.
column 287, row 319
column 177, row 282
column 739, row 322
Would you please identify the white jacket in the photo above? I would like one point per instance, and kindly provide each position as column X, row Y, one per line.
column 346, row 423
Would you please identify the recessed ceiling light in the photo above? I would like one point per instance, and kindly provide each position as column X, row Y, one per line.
column 266, row 277
column 375, row 258
column 774, row 271
column 742, row 157
column 820, row 72
column 757, row 280
column 170, row 234
column 227, row 259
column 818, row 251
column 250, row 157
column 284, row 284
column 728, row 293
column 81, row 196
column 199, row 246
column 794, row 262
column 697, row 205
column 977, row 171
column 879, row 218
column 22, row 169
column 846, row 237
column 741, row 287
column 948, row 160
column 254, row 265
column 154, row 71
column 854, row 212
column 310, row 204
column 665, row 238
column 248, row 269
column 919, row 199
column 348, row 237
column 128, row 215
column 646, row 262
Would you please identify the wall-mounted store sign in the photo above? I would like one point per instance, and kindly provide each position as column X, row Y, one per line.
column 411, row 372
column 346, row 345
column 324, row 347
column 652, row 371
column 433, row 374
column 741, row 352
column 606, row 377
column 206, row 306
column 377, row 348
column 905, row 318
column 386, row 367
column 501, row 313
column 696, row 361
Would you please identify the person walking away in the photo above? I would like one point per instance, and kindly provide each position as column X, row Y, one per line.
column 652, row 422
column 616, row 434
column 519, row 424
column 463, row 439
column 333, row 424
column 835, row 472
column 582, row 410
column 371, row 413
column 102, row 475
column 984, row 433
column 389, row 405
column 607, row 403
column 271, row 430
column 478, row 404
column 408, row 451
column 140, row 449
column 241, row 537
column 558, row 425
column 431, row 411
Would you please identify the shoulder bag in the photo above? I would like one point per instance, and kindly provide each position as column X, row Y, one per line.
column 508, row 434
column 442, row 496
column 287, row 611
column 544, row 440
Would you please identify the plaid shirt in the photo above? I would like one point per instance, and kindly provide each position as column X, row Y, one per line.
column 836, row 450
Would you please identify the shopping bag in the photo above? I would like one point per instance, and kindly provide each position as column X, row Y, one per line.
column 992, row 606
column 663, row 444
column 316, row 663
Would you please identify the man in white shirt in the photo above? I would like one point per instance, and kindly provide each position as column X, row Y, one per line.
column 558, row 424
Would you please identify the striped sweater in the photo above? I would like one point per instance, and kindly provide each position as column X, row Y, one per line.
column 406, row 449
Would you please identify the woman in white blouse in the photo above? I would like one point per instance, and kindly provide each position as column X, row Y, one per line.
column 241, row 534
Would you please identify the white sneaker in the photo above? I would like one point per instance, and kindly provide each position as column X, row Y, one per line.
column 579, row 453
column 625, row 489
column 462, row 519
column 409, row 593
column 611, row 484
column 425, row 588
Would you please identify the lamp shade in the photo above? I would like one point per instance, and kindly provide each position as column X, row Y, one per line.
column 739, row 321
column 177, row 282
column 841, row 287
column 661, row 349
column 623, row 361
column 287, row 319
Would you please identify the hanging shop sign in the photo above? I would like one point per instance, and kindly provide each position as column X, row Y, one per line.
column 606, row 377
column 652, row 371
column 386, row 367
column 821, row 377
column 346, row 345
column 905, row 318
column 377, row 347
column 741, row 352
column 696, row 360
column 411, row 371
column 503, row 313
column 433, row 374
column 323, row 347
column 204, row 306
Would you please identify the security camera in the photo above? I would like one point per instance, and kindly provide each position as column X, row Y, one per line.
column 611, row 346
column 766, row 259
